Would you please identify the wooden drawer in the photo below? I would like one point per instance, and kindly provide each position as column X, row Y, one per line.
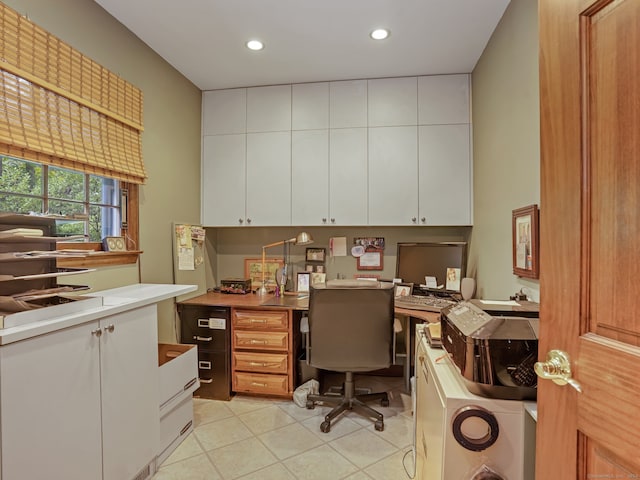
column 260, row 383
column 260, row 362
column 249, row 339
column 262, row 319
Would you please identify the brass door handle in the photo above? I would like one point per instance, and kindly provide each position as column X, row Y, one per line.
column 557, row 368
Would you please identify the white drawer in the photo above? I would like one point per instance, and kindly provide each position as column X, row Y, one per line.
column 178, row 368
column 174, row 428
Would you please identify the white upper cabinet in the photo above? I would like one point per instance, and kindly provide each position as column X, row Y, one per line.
column 310, row 177
column 268, row 189
column 224, row 111
column 269, row 109
column 348, row 104
column 444, row 99
column 348, row 176
column 445, row 175
column 389, row 151
column 393, row 176
column 310, row 106
column 223, row 180
column 393, row 102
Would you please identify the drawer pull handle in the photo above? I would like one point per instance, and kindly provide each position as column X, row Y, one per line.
column 256, row 384
column 258, row 342
column 186, row 428
column 206, row 380
column 204, row 365
column 258, row 320
column 190, row 383
column 202, row 339
column 258, row 364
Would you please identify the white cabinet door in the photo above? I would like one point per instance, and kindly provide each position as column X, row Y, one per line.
column 50, row 406
column 445, row 175
column 348, row 176
column 310, row 106
column 444, row 99
column 393, row 176
column 348, row 104
column 129, row 371
column 269, row 109
column 223, row 180
column 224, row 111
column 269, row 179
column 393, row 102
column 310, row 177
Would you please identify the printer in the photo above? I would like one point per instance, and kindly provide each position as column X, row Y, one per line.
column 495, row 352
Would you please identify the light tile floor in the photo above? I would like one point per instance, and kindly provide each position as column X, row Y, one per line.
column 251, row 438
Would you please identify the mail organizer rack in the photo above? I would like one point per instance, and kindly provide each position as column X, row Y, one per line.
column 208, row 327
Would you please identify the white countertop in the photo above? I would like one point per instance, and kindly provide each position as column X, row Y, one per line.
column 101, row 304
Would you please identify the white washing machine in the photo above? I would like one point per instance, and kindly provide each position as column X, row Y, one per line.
column 463, row 436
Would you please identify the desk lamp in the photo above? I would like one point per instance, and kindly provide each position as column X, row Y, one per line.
column 303, row 238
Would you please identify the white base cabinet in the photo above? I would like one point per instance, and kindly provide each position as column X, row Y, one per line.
column 77, row 403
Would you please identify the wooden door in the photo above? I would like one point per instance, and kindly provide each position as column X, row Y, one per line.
column 590, row 232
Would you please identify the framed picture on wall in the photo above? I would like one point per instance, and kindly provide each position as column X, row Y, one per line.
column 524, row 230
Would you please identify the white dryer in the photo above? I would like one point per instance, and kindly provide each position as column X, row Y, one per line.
column 463, row 436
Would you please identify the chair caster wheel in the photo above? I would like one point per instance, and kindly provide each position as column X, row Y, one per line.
column 310, row 405
column 379, row 425
column 325, row 427
column 384, row 402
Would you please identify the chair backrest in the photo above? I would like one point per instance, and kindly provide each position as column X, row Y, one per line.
column 351, row 326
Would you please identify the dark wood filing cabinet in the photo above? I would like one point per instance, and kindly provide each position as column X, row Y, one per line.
column 208, row 327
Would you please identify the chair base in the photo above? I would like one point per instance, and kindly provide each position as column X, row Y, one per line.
column 350, row 400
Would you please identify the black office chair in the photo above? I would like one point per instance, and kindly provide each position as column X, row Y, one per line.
column 350, row 330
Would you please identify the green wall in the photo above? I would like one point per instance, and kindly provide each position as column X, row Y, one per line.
column 506, row 147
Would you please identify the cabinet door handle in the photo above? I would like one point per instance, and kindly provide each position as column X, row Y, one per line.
column 97, row 332
column 324, row 220
column 248, row 220
column 414, row 219
column 333, row 220
column 240, row 221
column 110, row 328
column 202, row 339
column 423, row 219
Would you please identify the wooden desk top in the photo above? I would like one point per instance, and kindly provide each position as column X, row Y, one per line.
column 292, row 302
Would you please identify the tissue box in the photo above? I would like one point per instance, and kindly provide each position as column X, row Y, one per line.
column 236, row 285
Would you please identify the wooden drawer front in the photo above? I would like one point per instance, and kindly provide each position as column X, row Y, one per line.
column 260, row 340
column 259, row 383
column 261, row 319
column 261, row 362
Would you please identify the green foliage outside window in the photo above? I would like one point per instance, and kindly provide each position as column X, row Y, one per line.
column 89, row 203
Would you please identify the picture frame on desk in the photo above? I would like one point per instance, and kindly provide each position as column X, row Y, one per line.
column 525, row 237
column 253, row 271
column 403, row 289
column 304, row 280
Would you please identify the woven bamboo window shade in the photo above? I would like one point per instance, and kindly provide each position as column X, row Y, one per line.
column 61, row 108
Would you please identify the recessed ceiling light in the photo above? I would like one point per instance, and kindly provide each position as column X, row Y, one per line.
column 380, row 34
column 255, row 45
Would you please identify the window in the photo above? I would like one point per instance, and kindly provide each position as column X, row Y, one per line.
column 87, row 204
